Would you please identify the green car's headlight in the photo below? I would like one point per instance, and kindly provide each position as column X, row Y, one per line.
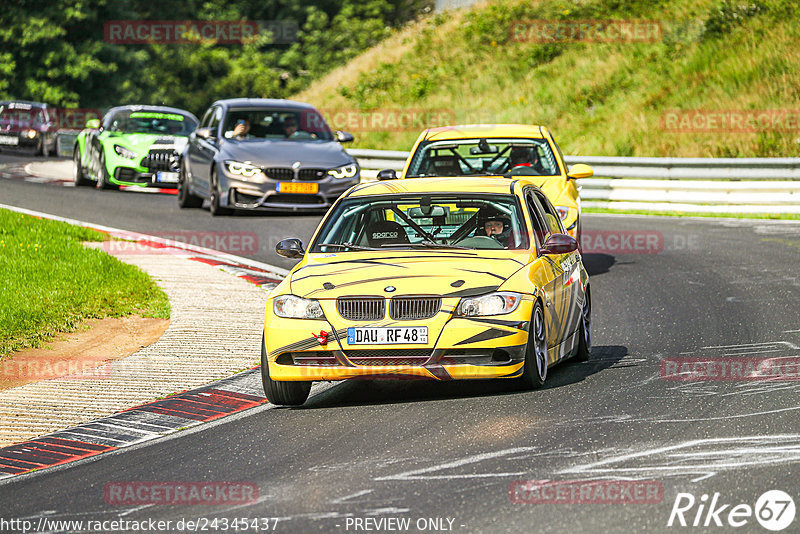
column 245, row 170
column 492, row 304
column 125, row 153
column 346, row 171
column 293, row 307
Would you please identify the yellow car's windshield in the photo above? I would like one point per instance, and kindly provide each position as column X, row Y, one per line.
column 473, row 157
column 446, row 221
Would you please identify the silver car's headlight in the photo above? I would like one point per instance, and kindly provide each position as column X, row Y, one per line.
column 246, row 170
column 293, row 307
column 491, row 304
column 125, row 153
column 346, row 171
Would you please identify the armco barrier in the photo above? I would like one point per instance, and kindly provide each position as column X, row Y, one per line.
column 721, row 185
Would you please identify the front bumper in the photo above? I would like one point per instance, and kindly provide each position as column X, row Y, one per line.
column 139, row 177
column 457, row 348
column 265, row 196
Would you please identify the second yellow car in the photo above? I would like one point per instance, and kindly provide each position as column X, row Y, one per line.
column 512, row 150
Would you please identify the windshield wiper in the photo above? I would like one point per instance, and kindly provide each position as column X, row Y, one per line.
column 347, row 245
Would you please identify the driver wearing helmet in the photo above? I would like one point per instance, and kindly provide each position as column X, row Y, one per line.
column 525, row 156
column 498, row 228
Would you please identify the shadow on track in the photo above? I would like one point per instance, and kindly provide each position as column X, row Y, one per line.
column 375, row 392
column 598, row 263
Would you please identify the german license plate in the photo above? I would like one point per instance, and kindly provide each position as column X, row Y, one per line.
column 9, row 140
column 296, row 187
column 387, row 335
column 167, row 177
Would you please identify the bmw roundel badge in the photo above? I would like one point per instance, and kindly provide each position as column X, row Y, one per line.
column 390, row 289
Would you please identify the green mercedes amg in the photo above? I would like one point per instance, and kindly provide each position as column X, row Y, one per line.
column 136, row 146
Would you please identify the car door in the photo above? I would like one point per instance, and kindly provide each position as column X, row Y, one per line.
column 566, row 289
column 202, row 151
column 550, row 266
column 92, row 147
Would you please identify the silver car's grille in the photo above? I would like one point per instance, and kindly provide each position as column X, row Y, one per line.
column 279, row 173
column 361, row 308
column 414, row 308
column 287, row 174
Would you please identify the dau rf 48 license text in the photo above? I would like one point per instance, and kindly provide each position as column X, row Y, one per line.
column 386, row 335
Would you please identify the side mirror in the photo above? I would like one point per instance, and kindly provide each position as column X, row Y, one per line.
column 290, row 248
column 93, row 124
column 344, row 137
column 580, row 171
column 387, row 174
column 205, row 133
column 559, row 244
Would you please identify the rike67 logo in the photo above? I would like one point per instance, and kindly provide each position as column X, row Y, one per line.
column 774, row 510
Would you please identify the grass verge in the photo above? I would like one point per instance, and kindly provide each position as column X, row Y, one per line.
column 51, row 283
column 775, row 216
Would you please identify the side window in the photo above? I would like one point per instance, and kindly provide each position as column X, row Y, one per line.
column 550, row 214
column 204, row 122
column 560, row 155
column 540, row 229
column 215, row 120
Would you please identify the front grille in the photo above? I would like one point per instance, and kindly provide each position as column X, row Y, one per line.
column 311, row 174
column 414, row 308
column 280, row 173
column 295, row 198
column 386, row 357
column 161, row 159
column 361, row 309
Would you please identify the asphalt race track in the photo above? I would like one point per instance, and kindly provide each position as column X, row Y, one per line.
column 445, row 455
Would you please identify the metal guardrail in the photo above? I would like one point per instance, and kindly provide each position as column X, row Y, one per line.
column 723, row 185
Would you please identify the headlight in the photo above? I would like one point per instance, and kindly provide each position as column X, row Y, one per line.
column 347, row 171
column 32, row 134
column 245, row 170
column 491, row 304
column 125, row 153
column 297, row 308
column 563, row 211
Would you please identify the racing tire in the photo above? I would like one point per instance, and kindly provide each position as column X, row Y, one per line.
column 534, row 371
column 78, row 177
column 281, row 393
column 102, row 176
column 584, row 351
column 185, row 198
column 214, row 198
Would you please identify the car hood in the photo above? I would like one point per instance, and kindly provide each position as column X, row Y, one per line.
column 453, row 273
column 140, row 142
column 279, row 153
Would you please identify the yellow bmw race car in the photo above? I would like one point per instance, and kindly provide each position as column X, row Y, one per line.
column 441, row 278
column 511, row 150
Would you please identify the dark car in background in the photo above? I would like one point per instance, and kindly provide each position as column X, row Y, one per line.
column 264, row 154
column 133, row 146
column 27, row 126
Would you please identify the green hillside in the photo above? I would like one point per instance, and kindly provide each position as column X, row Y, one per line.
column 599, row 98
